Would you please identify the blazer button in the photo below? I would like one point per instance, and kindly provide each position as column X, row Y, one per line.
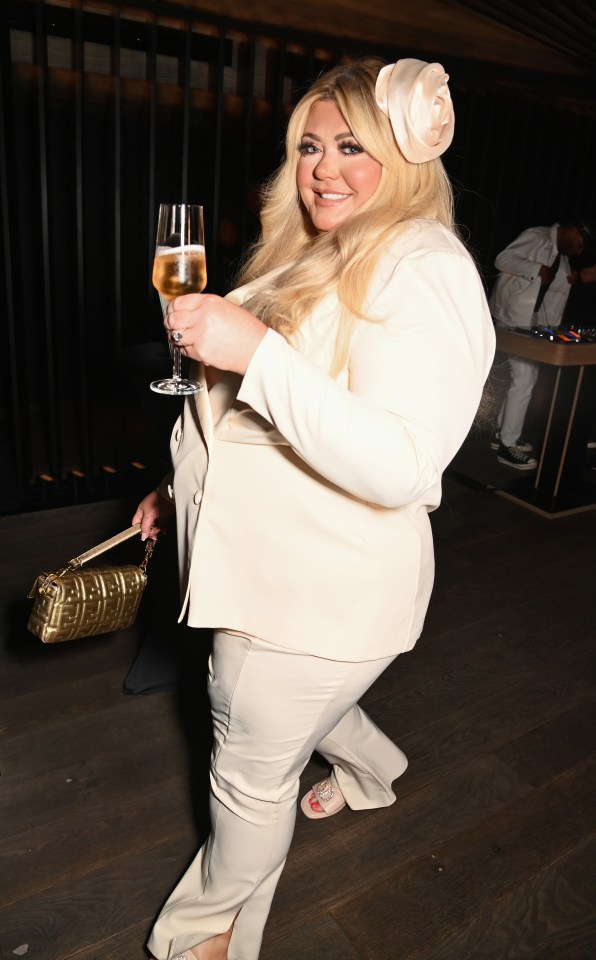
column 170, row 491
column 178, row 436
column 197, row 497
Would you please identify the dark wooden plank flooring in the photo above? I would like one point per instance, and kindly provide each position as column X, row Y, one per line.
column 489, row 852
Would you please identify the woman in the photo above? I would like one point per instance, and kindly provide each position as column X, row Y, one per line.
column 344, row 374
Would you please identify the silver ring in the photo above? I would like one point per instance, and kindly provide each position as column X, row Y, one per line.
column 177, row 336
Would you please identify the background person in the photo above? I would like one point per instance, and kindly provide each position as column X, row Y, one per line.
column 344, row 375
column 531, row 290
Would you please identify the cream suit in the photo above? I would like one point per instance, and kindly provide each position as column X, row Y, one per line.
column 302, row 509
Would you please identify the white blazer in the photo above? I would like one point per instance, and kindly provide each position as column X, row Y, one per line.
column 302, row 501
column 516, row 289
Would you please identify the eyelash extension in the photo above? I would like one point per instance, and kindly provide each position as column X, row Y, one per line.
column 303, row 147
column 353, row 144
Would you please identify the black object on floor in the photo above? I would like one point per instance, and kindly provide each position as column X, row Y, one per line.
column 155, row 667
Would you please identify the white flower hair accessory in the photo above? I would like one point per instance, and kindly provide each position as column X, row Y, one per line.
column 415, row 96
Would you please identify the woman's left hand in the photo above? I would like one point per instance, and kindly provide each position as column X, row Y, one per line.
column 219, row 333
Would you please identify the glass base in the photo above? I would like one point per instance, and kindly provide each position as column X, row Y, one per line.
column 176, row 388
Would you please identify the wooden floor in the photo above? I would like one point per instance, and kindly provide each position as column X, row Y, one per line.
column 489, row 852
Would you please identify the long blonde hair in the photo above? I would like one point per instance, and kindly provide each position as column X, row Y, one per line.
column 342, row 259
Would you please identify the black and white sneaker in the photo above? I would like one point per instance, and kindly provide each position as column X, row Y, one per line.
column 516, row 458
column 524, row 446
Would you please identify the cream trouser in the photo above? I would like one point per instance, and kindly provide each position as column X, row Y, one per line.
column 512, row 414
column 271, row 708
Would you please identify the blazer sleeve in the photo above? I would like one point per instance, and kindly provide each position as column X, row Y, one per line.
column 526, row 254
column 416, row 378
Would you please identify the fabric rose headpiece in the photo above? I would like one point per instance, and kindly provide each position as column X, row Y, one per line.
column 415, row 96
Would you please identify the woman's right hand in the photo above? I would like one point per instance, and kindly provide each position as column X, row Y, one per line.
column 153, row 514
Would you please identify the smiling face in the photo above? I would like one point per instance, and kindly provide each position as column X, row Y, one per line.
column 334, row 175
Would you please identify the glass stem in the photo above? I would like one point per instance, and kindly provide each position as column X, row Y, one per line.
column 177, row 366
column 174, row 353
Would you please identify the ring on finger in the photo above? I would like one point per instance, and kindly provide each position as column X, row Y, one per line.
column 177, row 336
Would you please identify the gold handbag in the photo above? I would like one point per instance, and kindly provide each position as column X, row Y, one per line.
column 73, row 603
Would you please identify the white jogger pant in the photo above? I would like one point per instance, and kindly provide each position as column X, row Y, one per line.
column 512, row 414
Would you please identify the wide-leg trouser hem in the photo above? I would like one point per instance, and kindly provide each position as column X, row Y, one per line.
column 364, row 761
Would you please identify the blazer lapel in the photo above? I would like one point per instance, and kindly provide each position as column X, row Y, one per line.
column 204, row 411
column 212, row 405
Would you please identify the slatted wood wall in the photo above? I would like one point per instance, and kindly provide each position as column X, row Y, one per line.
column 108, row 110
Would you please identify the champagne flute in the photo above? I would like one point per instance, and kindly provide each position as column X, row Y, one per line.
column 179, row 267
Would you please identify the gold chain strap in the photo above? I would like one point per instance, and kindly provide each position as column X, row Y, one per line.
column 149, row 548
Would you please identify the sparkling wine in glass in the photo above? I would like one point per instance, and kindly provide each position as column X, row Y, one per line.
column 179, row 267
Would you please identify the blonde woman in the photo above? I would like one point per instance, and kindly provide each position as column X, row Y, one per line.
column 343, row 376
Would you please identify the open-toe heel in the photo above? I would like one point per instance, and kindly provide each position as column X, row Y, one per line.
column 329, row 798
